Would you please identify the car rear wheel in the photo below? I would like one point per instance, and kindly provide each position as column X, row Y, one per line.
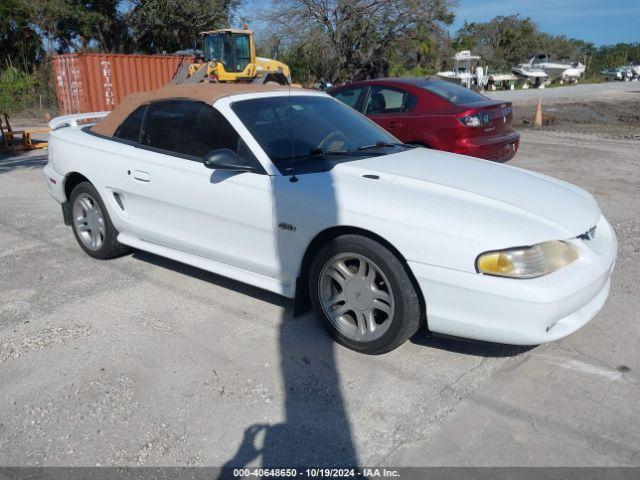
column 363, row 295
column 91, row 224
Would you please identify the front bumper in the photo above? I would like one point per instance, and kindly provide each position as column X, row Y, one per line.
column 521, row 311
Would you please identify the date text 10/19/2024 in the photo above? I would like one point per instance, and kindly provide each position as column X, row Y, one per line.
column 316, row 472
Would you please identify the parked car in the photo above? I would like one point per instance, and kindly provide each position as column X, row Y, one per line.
column 296, row 193
column 436, row 114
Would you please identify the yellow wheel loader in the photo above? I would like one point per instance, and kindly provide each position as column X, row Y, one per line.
column 230, row 56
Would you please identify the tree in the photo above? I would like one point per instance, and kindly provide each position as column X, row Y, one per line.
column 562, row 47
column 169, row 25
column 20, row 44
column 355, row 39
column 422, row 53
column 614, row 56
column 73, row 25
column 506, row 41
column 502, row 42
column 125, row 26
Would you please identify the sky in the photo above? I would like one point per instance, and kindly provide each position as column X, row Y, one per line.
column 601, row 22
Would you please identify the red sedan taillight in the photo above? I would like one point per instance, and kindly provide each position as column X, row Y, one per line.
column 475, row 119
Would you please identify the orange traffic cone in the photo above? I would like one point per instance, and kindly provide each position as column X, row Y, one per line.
column 537, row 121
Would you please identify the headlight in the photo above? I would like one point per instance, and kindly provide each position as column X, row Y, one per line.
column 527, row 262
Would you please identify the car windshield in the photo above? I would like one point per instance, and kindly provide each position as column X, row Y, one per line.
column 311, row 134
column 452, row 92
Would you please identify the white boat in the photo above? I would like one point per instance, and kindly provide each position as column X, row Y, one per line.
column 634, row 68
column 574, row 73
column 622, row 74
column 563, row 71
column 504, row 81
column 463, row 72
column 530, row 76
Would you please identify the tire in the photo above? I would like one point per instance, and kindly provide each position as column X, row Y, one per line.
column 372, row 299
column 87, row 205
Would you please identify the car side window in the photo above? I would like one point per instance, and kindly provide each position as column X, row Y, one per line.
column 349, row 96
column 130, row 128
column 192, row 129
column 388, row 100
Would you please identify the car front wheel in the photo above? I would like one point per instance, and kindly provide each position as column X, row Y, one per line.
column 363, row 295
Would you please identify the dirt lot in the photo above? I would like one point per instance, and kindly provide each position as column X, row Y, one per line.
column 610, row 110
column 620, row 119
column 143, row 361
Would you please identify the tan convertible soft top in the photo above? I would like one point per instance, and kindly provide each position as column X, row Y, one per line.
column 205, row 92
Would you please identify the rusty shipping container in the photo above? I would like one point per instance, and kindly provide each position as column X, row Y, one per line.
column 95, row 82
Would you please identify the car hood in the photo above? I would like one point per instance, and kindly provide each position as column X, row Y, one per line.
column 533, row 207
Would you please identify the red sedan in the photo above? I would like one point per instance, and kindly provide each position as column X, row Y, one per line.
column 436, row 114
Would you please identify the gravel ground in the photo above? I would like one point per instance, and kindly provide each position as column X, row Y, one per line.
column 143, row 361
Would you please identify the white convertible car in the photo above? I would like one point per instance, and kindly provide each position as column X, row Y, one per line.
column 296, row 193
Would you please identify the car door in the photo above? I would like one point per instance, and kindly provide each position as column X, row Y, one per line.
column 170, row 198
column 388, row 107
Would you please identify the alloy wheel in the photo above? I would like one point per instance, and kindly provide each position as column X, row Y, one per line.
column 89, row 221
column 356, row 296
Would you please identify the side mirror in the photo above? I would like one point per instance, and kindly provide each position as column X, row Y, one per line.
column 226, row 159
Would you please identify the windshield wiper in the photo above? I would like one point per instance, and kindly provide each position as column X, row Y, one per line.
column 319, row 152
column 385, row 144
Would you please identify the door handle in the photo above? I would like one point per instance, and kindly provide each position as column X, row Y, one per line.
column 141, row 176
